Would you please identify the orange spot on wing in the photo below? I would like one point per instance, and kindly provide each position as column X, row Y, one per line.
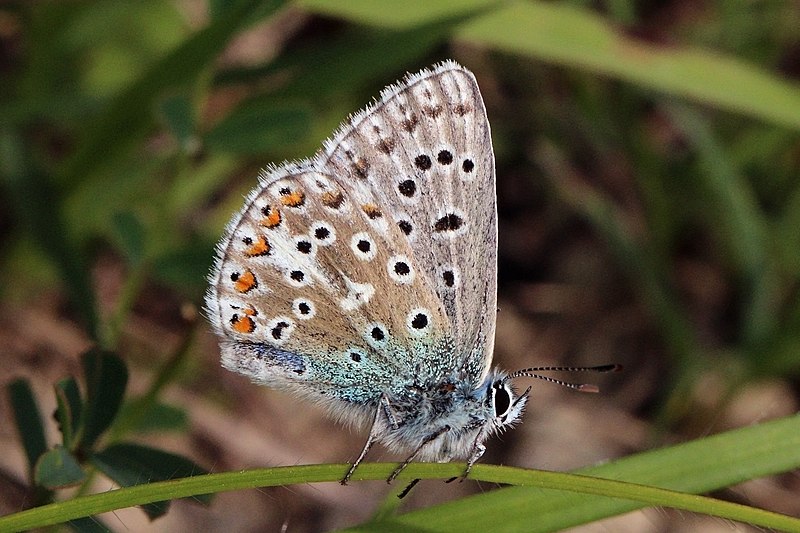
column 258, row 248
column 245, row 282
column 293, row 198
column 332, row 199
column 243, row 324
column 371, row 210
column 272, row 218
column 362, row 168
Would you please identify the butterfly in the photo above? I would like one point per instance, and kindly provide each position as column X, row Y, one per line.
column 364, row 279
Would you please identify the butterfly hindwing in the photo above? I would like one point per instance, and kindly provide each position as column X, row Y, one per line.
column 316, row 293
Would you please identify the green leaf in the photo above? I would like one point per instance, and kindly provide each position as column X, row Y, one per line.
column 130, row 235
column 353, row 61
column 68, row 411
column 158, row 417
column 106, row 378
column 346, row 63
column 218, row 8
column 178, row 113
column 134, row 464
column 145, row 413
column 260, row 125
column 28, row 420
column 185, row 267
column 565, row 35
column 57, row 469
column 392, row 14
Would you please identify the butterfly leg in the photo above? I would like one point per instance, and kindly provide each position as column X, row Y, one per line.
column 477, row 453
column 373, row 435
column 478, row 450
column 430, row 438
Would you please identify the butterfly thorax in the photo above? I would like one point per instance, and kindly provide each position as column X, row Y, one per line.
column 448, row 419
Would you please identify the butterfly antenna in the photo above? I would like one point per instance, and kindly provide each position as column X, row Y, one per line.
column 581, row 387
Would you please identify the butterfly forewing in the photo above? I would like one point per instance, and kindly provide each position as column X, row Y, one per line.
column 424, row 152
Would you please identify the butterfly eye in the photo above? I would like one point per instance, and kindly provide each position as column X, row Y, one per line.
column 501, row 399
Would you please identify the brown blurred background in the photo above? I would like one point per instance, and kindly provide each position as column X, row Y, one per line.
column 645, row 219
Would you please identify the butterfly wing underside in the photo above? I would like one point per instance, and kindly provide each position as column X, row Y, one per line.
column 304, row 287
column 373, row 263
column 425, row 149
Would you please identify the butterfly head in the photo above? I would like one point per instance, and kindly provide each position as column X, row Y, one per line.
column 505, row 405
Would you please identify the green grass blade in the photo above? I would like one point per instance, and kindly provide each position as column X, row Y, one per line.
column 133, row 464
column 698, row 466
column 640, row 260
column 562, row 34
column 730, row 202
column 694, row 467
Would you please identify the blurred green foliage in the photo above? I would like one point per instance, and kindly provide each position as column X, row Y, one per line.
column 83, row 418
column 122, row 131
